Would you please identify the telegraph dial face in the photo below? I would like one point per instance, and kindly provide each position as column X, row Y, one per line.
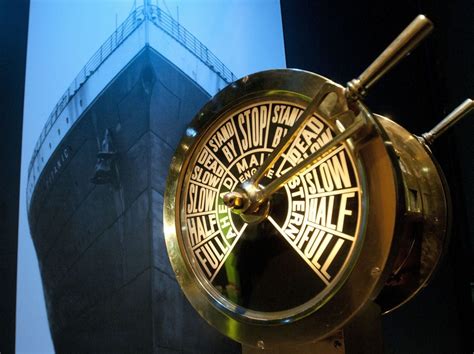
column 290, row 259
column 294, row 262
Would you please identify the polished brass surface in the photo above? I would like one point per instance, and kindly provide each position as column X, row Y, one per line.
column 416, row 31
column 424, row 223
column 235, row 200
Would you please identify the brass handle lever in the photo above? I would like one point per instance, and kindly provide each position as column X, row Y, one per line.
column 416, row 31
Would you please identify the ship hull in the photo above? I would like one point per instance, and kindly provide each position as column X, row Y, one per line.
column 107, row 280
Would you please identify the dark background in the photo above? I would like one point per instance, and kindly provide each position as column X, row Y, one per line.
column 336, row 39
column 339, row 40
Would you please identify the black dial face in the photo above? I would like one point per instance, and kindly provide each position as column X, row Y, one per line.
column 302, row 250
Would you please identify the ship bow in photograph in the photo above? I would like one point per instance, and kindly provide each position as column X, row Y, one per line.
column 95, row 192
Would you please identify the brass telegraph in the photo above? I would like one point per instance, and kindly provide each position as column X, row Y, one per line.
column 290, row 207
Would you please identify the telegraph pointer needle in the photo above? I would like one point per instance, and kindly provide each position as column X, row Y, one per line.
column 289, row 137
column 249, row 196
column 280, row 181
column 239, row 200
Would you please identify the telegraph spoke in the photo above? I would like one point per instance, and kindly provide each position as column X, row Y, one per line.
column 332, row 231
column 231, row 247
column 300, row 253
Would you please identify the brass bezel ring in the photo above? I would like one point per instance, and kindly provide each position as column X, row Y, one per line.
column 369, row 268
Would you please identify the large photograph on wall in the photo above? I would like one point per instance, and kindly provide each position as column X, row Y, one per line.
column 110, row 89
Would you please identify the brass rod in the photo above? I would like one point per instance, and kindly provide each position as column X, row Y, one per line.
column 289, row 137
column 277, row 183
column 451, row 119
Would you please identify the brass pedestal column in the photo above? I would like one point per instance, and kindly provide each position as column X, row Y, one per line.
column 362, row 335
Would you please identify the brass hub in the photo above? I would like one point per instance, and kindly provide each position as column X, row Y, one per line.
column 246, row 201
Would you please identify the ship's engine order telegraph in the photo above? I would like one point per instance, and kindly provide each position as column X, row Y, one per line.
column 291, row 210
